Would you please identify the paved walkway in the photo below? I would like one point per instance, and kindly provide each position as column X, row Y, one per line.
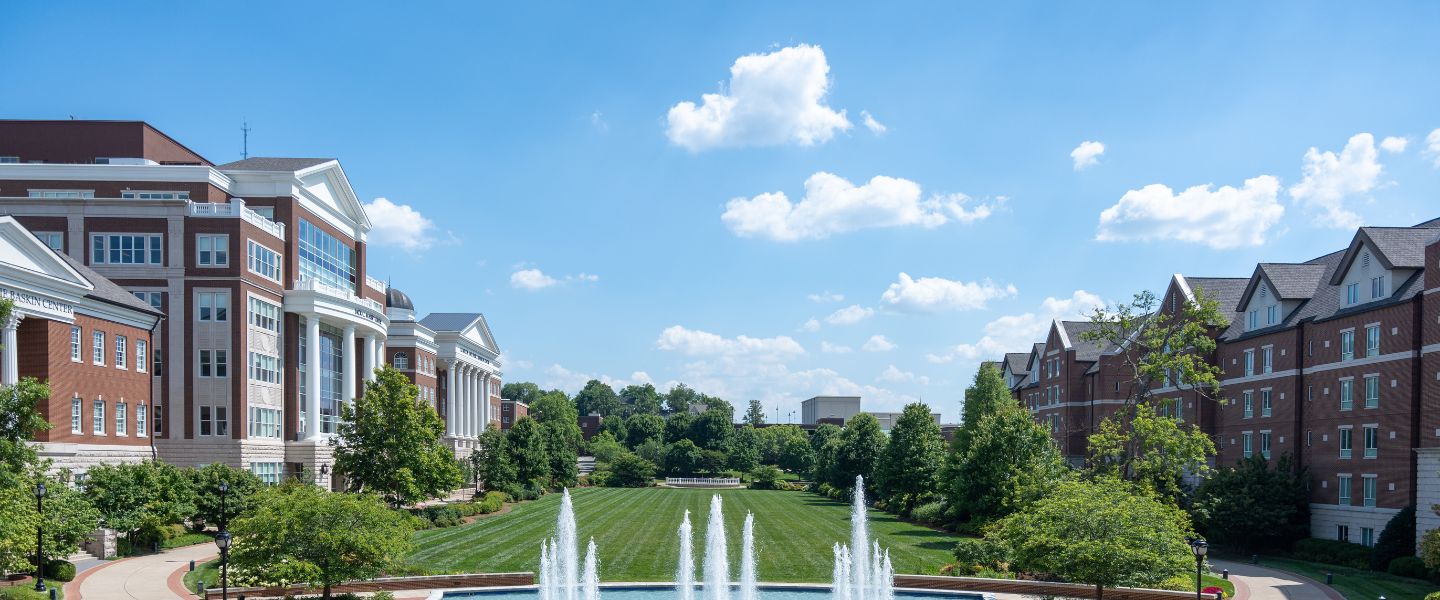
column 138, row 578
column 1261, row 583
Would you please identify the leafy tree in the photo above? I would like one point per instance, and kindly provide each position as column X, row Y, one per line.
column 1152, row 451
column 521, row 391
column 910, row 463
column 491, row 462
column 712, row 462
column 986, row 395
column 629, row 470
column 559, row 421
column 597, row 398
column 604, row 447
column 677, row 427
column 525, row 450
column 1253, row 507
column 825, row 443
column 683, row 458
column 653, row 450
column 796, row 454
column 1396, row 540
column 861, row 443
column 745, row 449
column 712, row 430
column 755, row 415
column 643, row 427
column 69, row 519
column 641, row 399
column 147, row 495
column 1098, row 533
column 719, row 404
column 390, row 442
column 679, row 399
column 17, row 529
column 1009, row 462
column 20, row 419
column 320, row 538
column 242, row 485
column 615, row 426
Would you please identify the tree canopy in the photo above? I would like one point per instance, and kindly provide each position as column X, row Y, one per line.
column 910, row 465
column 391, row 443
column 1253, row 507
column 597, row 398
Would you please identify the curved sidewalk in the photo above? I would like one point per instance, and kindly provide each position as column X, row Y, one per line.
column 1262, row 583
column 140, row 577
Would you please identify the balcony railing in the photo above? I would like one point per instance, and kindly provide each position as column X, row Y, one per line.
column 375, row 284
column 341, row 293
column 236, row 209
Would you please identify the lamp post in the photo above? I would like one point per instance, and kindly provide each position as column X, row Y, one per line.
column 222, row 541
column 40, row 538
column 1199, row 547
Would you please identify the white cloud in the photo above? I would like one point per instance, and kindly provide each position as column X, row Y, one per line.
column 1331, row 178
column 1394, row 145
column 874, row 126
column 399, row 225
column 1016, row 333
column 894, row 374
column 834, row 205
column 531, row 279
column 585, row 277
column 1223, row 218
column 558, row 377
column 1432, row 146
column 597, row 120
column 1087, row 154
column 934, row 294
column 778, row 385
column 826, row 296
column 830, row 348
column 776, row 98
column 849, row 315
column 811, row 325
column 878, row 343
column 693, row 342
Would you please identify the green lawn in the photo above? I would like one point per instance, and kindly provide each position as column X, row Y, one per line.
column 208, row 572
column 1356, row 584
column 635, row 530
column 26, row 592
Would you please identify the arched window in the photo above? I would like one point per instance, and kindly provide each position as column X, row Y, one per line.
column 402, row 360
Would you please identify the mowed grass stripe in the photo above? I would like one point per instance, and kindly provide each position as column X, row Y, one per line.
column 636, row 531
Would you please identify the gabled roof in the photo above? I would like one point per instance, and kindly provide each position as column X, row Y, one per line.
column 460, row 323
column 106, row 290
column 273, row 163
column 1290, row 281
column 1018, row 362
column 1086, row 350
column 1395, row 248
column 1226, row 291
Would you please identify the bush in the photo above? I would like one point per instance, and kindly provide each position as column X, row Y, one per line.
column 438, row 516
column 630, row 470
column 975, row 555
column 767, row 477
column 596, row 478
column 493, row 501
column 1409, row 566
column 59, row 570
column 1396, row 540
column 382, row 595
column 930, row 512
column 1333, row 552
column 1432, row 596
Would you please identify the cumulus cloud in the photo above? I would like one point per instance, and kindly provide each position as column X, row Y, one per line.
column 1223, row 218
column 878, row 343
column 811, row 325
column 874, row 126
column 399, row 225
column 559, row 377
column 826, row 296
column 849, row 315
column 1331, row 178
column 935, row 294
column 1432, row 146
column 693, row 342
column 1394, row 145
column 830, row 348
column 894, row 374
column 1016, row 333
column 773, row 99
column 1087, row 154
column 834, row 205
column 531, row 279
column 779, row 385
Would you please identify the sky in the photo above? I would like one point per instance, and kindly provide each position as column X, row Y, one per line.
column 779, row 200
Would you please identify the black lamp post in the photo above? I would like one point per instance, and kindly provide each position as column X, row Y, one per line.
column 1199, row 547
column 222, row 541
column 40, row 538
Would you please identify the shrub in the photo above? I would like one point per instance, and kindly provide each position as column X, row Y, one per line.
column 59, row 570
column 382, row 595
column 1409, row 566
column 930, row 512
column 975, row 555
column 493, row 501
column 438, row 516
column 1432, row 596
column 767, row 477
column 1333, row 552
column 1396, row 540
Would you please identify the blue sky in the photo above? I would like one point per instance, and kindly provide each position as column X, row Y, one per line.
column 607, row 230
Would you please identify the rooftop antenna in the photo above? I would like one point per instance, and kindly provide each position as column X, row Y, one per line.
column 245, row 131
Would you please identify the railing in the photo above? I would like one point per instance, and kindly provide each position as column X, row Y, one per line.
column 702, row 481
column 341, row 293
column 375, row 284
column 233, row 209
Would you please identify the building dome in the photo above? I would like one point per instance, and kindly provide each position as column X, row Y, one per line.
column 395, row 298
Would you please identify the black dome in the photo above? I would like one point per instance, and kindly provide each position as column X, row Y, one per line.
column 395, row 298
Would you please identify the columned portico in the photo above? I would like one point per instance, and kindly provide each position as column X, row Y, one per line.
column 347, row 365
column 451, row 381
column 312, row 377
column 11, row 375
column 370, row 351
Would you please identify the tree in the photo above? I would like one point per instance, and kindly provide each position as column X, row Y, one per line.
column 712, row 462
column 521, row 391
column 242, row 485
column 861, row 443
column 1098, row 533
column 1153, row 451
column 795, row 452
column 69, row 519
column 1253, row 507
column 615, row 426
column 322, row 539
column 679, row 399
column 142, row 496
column 755, row 415
column 1010, row 461
column 597, row 398
column 641, row 399
column 712, row 430
column 911, row 459
column 1396, row 540
column 745, row 449
column 490, row 460
column 677, row 427
column 629, row 470
column 719, row 404
column 604, row 447
column 525, row 449
column 825, row 443
column 986, row 395
column 559, row 423
column 391, row 443
column 643, row 427
column 20, row 419
column 683, row 458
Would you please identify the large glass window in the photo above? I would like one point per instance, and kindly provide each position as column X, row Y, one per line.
column 1372, row 340
column 324, row 258
column 264, row 422
column 264, row 315
column 1347, row 344
column 1344, row 485
column 125, row 249
column 331, row 377
column 264, row 368
column 1346, row 444
column 263, row 261
column 1368, row 489
column 1347, row 394
column 268, row 472
column 1372, row 391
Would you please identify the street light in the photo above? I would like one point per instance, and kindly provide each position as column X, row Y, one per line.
column 40, row 538
column 1199, row 547
column 222, row 541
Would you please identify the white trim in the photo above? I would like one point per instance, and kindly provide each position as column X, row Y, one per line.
column 1361, row 361
column 1259, row 377
column 108, row 173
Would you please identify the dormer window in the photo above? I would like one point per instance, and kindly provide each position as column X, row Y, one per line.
column 1254, row 319
column 1271, row 312
column 1352, row 293
column 1377, row 287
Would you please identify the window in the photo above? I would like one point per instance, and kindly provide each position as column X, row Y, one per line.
column 1249, row 397
column 1247, row 443
column 264, row 261
column 122, row 413
column 1344, row 492
column 76, row 415
column 264, row 368
column 1352, row 293
column 1377, row 287
column 1347, row 344
column 141, row 423
column 264, row 315
column 54, row 239
column 9, row 160
column 1271, row 313
column 214, row 363
column 1254, row 319
column 1368, row 489
column 324, row 258
column 1345, row 442
column 1372, row 340
column 268, row 472
column 62, row 193
column 75, row 343
column 97, row 418
column 212, row 306
column 1265, row 444
column 1367, row 537
column 120, row 347
column 1265, row 405
column 402, row 360
column 1372, row 391
column 1267, row 360
column 141, row 355
column 159, row 419
column 1347, row 391
column 135, row 195
column 1342, row 532
column 1372, row 441
column 213, row 421
column 264, row 422
column 151, row 298
column 1249, row 363
column 125, row 249
column 212, row 250
column 97, row 349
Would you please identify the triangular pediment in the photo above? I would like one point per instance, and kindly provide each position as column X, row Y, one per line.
column 25, row 257
column 478, row 332
column 326, row 185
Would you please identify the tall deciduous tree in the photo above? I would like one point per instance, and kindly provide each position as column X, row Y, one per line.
column 861, row 443
column 643, row 427
column 679, row 399
column 20, row 420
column 321, row 538
column 712, row 430
column 391, row 443
column 1009, row 461
column 745, row 449
column 793, row 444
column 525, row 446
column 597, row 398
column 241, row 487
column 1152, row 451
column 677, row 427
column 521, row 391
column 1098, row 533
column 910, row 463
column 1253, row 507
column 559, row 422
column 641, row 399
column 132, row 497
column 825, row 444
column 755, row 414
column 491, row 460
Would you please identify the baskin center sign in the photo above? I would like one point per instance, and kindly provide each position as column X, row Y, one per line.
column 35, row 303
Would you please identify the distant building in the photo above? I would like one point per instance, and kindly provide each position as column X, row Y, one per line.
column 888, row 419
column 812, row 411
column 512, row 411
column 589, row 425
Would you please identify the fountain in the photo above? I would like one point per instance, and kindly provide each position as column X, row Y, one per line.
column 560, row 560
column 862, row 571
column 685, row 571
column 748, row 588
column 591, row 574
column 717, row 563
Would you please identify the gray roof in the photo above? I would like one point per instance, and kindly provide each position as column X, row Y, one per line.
column 1293, row 281
column 1018, row 362
column 394, row 298
column 1086, row 350
column 1226, row 291
column 1402, row 247
column 106, row 290
column 273, row 163
column 449, row 321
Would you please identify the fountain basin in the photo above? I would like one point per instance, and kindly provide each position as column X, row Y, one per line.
column 667, row 591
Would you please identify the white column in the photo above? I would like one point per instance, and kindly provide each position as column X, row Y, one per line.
column 11, row 375
column 312, row 377
column 347, row 365
column 475, row 403
column 372, row 344
column 462, row 417
column 450, row 383
column 485, row 402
